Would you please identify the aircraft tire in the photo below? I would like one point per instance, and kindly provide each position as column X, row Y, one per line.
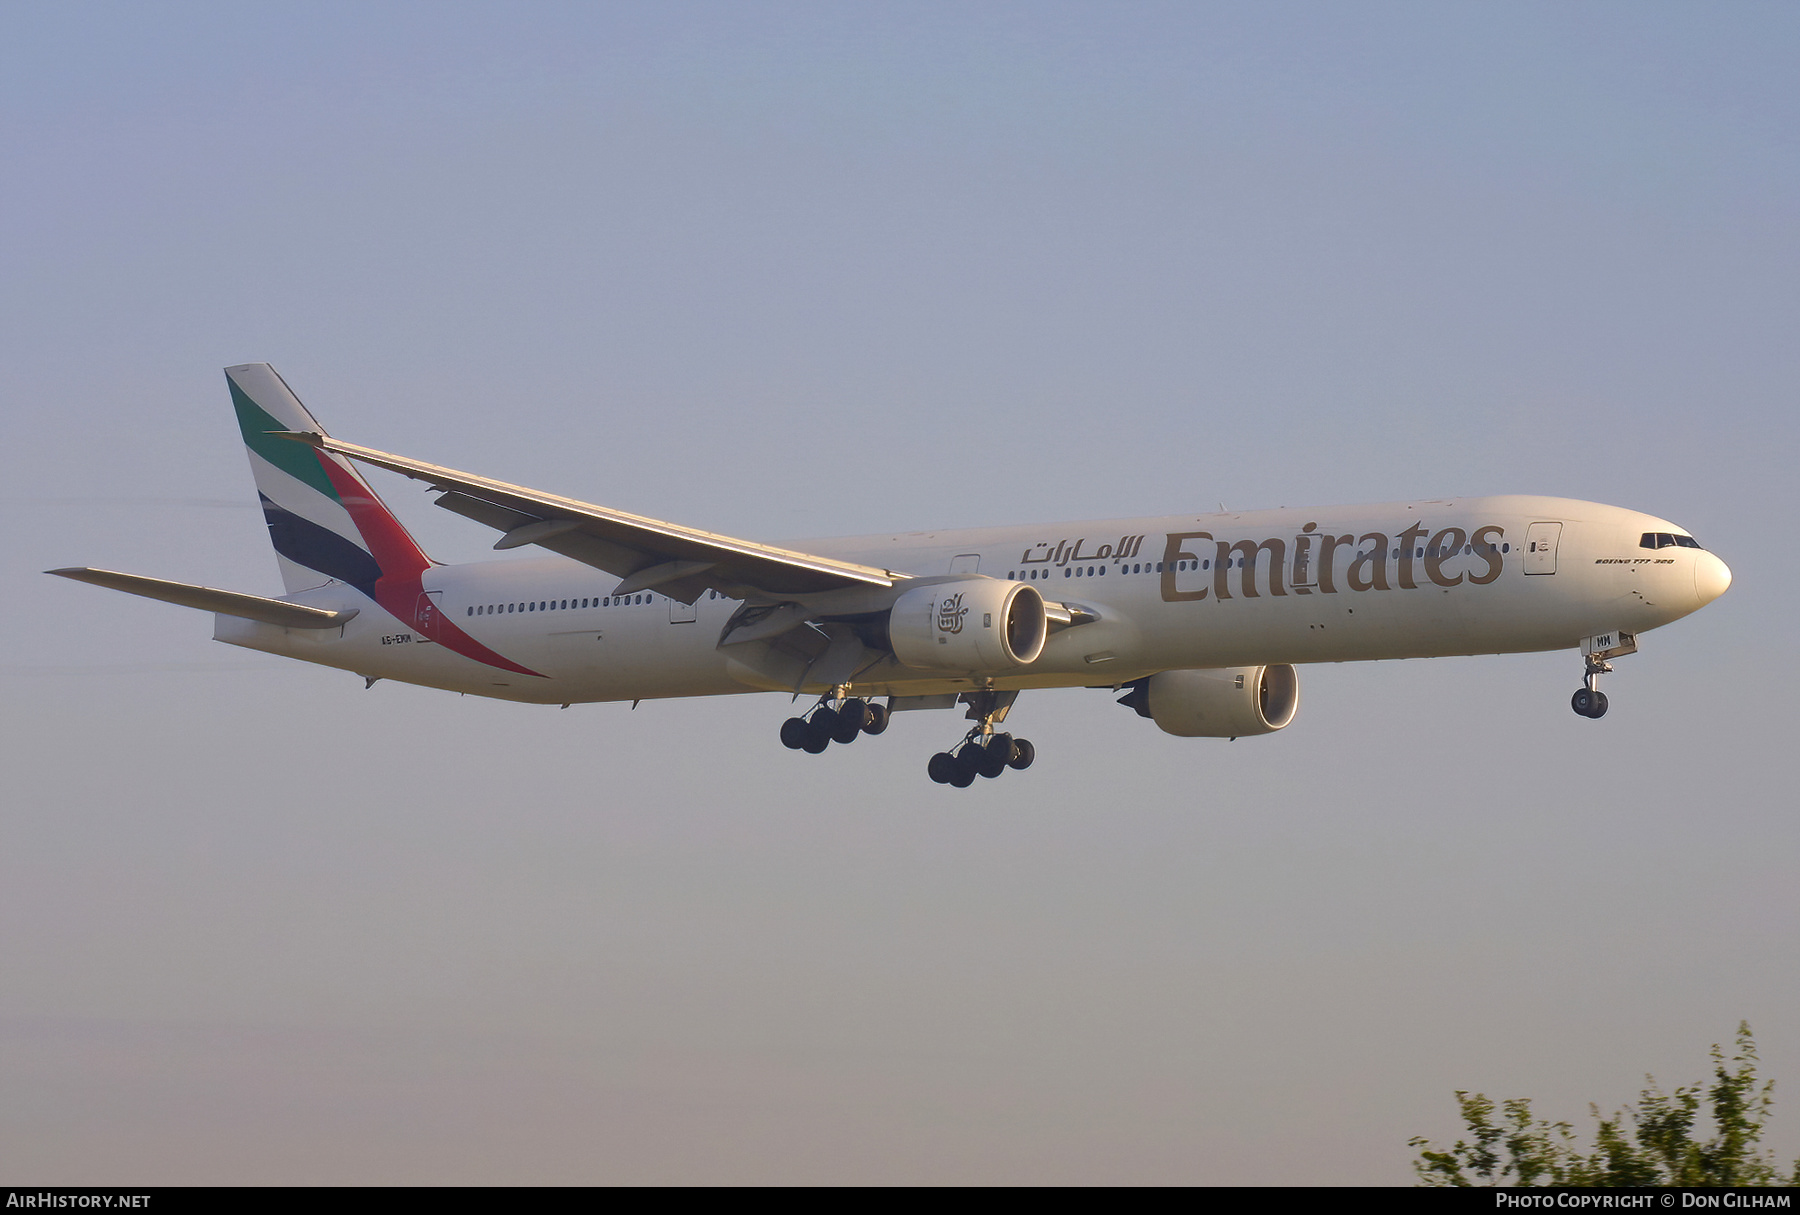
column 963, row 778
column 1599, row 709
column 1583, row 702
column 942, row 768
column 1023, row 754
column 793, row 733
column 878, row 719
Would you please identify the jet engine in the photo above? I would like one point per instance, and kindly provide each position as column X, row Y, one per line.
column 977, row 624
column 1226, row 703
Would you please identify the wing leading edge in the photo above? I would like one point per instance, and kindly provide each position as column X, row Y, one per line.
column 680, row 562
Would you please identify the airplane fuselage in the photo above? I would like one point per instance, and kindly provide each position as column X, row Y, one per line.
column 1333, row 584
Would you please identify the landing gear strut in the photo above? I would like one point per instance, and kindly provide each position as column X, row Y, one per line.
column 1589, row 700
column 982, row 752
column 826, row 725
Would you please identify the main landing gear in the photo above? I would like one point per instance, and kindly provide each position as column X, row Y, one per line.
column 826, row 725
column 982, row 752
column 980, row 755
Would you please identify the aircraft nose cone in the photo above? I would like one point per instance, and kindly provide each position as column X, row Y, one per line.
column 1711, row 577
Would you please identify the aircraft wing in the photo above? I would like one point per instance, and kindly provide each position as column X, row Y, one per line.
column 681, row 562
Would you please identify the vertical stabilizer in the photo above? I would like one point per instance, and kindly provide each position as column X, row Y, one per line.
column 325, row 522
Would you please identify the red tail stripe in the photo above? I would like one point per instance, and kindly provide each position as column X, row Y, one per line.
column 400, row 588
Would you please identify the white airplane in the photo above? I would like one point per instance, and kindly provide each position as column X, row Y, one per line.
column 1199, row 619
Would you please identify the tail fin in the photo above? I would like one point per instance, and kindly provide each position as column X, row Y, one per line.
column 324, row 520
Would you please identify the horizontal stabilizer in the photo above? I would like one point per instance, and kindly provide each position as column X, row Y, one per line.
column 231, row 603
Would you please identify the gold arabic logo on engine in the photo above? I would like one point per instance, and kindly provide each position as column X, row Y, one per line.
column 951, row 613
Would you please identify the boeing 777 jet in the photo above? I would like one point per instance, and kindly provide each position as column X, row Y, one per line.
column 1198, row 620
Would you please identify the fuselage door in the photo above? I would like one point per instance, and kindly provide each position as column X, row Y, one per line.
column 679, row 612
column 1304, row 577
column 1540, row 547
column 425, row 613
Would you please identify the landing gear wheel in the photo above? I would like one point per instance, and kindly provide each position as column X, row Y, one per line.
column 848, row 726
column 854, row 709
column 968, row 762
column 963, row 778
column 793, row 733
column 1599, row 709
column 942, row 768
column 995, row 755
column 818, row 735
column 1588, row 702
column 878, row 719
column 1023, row 754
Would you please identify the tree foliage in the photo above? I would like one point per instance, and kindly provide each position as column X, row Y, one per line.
column 1656, row 1142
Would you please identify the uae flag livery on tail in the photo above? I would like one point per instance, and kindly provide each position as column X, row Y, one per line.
column 326, row 523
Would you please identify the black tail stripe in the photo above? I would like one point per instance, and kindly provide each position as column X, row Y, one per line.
column 318, row 548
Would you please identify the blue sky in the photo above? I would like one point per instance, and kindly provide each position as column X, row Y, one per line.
column 788, row 270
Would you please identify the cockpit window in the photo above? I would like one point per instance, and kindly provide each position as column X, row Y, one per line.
column 1667, row 540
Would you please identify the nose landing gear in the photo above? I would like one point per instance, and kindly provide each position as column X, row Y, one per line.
column 1589, row 700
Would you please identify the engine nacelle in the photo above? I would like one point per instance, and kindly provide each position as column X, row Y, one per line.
column 978, row 624
column 1226, row 703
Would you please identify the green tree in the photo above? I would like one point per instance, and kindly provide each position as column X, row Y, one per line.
column 1651, row 1143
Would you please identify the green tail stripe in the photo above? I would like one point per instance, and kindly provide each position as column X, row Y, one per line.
column 296, row 459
